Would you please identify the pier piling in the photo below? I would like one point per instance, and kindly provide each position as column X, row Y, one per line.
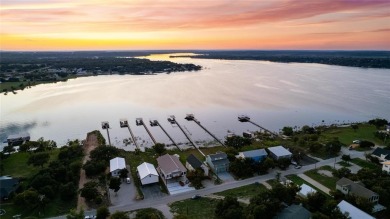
column 124, row 123
column 140, row 121
column 106, row 126
column 191, row 117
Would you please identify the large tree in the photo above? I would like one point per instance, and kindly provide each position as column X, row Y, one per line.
column 115, row 184
column 287, row 130
column 38, row 159
column 229, row 208
column 102, row 212
column 237, row 142
column 123, row 173
column 90, row 191
column 119, row 215
column 159, row 149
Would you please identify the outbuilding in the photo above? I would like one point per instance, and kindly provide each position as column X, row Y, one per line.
column 116, row 165
column 279, row 152
column 147, row 173
column 354, row 212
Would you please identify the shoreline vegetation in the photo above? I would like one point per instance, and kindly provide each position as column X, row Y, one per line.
column 19, row 71
column 362, row 59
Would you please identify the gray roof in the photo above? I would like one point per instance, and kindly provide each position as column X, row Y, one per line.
column 254, row 153
column 7, row 185
column 379, row 151
column 193, row 161
column 294, row 211
column 356, row 188
column 220, row 162
column 279, row 151
column 217, row 156
column 169, row 163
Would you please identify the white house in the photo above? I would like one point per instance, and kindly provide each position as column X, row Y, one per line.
column 306, row 190
column 116, row 165
column 386, row 166
column 147, row 173
column 354, row 212
column 279, row 152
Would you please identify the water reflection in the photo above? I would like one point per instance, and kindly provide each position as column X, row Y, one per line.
column 273, row 94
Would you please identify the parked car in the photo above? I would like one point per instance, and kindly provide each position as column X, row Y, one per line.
column 298, row 167
column 90, row 217
column 128, row 181
column 196, row 197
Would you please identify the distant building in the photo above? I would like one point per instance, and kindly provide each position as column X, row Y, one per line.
column 354, row 212
column 169, row 166
column 218, row 162
column 349, row 187
column 381, row 154
column 116, row 165
column 18, row 139
column 279, row 152
column 7, row 186
column 193, row 163
column 257, row 155
column 306, row 190
column 294, row 212
column 386, row 166
column 147, row 173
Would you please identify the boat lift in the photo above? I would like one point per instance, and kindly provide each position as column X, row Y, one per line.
column 191, row 117
column 123, row 124
column 245, row 118
column 172, row 120
column 106, row 126
column 156, row 123
column 140, row 121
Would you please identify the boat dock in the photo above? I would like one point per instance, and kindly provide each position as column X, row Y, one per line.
column 173, row 120
column 156, row 123
column 140, row 121
column 106, row 126
column 124, row 123
column 244, row 118
column 191, row 117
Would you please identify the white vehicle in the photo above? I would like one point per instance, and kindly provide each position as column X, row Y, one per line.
column 128, row 181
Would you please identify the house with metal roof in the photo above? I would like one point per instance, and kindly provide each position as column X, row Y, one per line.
column 218, row 162
column 350, row 187
column 381, row 154
column 306, row 190
column 353, row 212
column 257, row 155
column 169, row 166
column 279, row 152
column 193, row 163
column 294, row 211
column 117, row 164
column 147, row 173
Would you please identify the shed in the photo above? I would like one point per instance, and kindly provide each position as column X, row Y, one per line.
column 147, row 173
column 257, row 155
column 306, row 190
column 354, row 212
column 117, row 164
column 279, row 152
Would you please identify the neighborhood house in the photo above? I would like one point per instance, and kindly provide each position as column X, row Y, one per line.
column 193, row 163
column 306, row 190
column 218, row 162
column 147, row 173
column 386, row 166
column 169, row 166
column 117, row 164
column 381, row 154
column 279, row 152
column 354, row 212
column 347, row 186
column 295, row 212
column 257, row 155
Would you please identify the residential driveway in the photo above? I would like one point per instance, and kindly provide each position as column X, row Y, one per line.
column 226, row 177
column 126, row 194
column 152, row 191
column 314, row 183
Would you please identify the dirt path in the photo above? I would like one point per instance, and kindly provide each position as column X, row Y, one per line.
column 90, row 144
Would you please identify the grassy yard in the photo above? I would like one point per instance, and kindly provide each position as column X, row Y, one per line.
column 149, row 213
column 195, row 209
column 364, row 164
column 346, row 134
column 16, row 164
column 299, row 181
column 329, row 182
column 248, row 191
column 344, row 164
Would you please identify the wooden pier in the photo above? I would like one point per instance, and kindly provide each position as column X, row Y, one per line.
column 191, row 117
column 156, row 123
column 244, row 118
column 140, row 121
column 124, row 123
column 173, row 120
column 106, row 126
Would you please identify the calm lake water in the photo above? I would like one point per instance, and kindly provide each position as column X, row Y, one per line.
column 272, row 94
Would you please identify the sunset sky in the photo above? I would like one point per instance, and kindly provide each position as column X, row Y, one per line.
column 194, row 24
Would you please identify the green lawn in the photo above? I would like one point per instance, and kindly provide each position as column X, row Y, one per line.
column 329, row 182
column 364, row 164
column 344, row 164
column 195, row 209
column 346, row 134
column 248, row 191
column 16, row 164
column 299, row 181
column 149, row 213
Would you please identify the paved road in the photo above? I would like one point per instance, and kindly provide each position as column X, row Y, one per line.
column 146, row 203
